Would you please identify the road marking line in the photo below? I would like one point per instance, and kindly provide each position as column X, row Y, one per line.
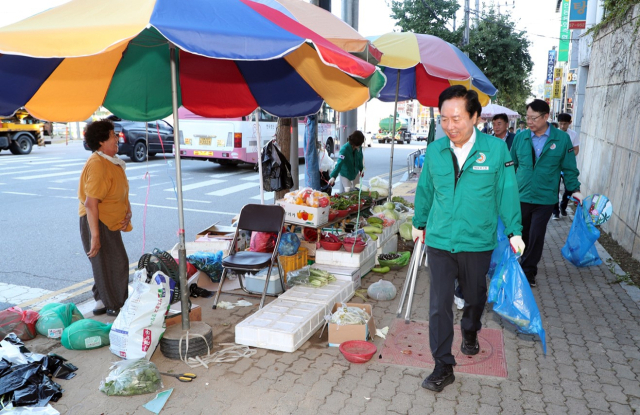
column 19, row 193
column 219, row 175
column 67, row 197
column 163, row 183
column 186, row 209
column 189, row 200
column 61, row 188
column 23, row 159
column 267, row 196
column 54, row 293
column 232, row 189
column 21, row 172
column 42, row 176
column 71, row 164
column 197, row 185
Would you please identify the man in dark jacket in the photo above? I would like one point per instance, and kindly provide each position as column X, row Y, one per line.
column 500, row 125
column 540, row 153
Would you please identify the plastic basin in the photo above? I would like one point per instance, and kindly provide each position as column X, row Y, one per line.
column 333, row 215
column 331, row 246
column 358, row 351
column 356, row 250
column 343, row 213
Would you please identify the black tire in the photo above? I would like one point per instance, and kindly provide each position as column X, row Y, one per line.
column 408, row 141
column 22, row 145
column 382, row 141
column 139, row 152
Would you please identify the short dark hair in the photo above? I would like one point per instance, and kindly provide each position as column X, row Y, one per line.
column 472, row 105
column 356, row 138
column 564, row 117
column 97, row 133
column 539, row 106
column 502, row 117
column 521, row 122
column 555, row 124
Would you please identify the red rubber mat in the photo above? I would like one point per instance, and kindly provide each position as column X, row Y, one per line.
column 408, row 345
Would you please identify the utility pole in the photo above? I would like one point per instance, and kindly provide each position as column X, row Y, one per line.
column 349, row 119
column 465, row 39
column 478, row 13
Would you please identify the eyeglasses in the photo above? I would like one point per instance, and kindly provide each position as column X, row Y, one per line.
column 532, row 119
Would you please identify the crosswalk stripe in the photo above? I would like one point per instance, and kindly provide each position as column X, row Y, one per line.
column 252, row 178
column 232, row 189
column 42, row 176
column 186, row 209
column 37, row 163
column 220, row 175
column 189, row 200
column 61, row 188
column 23, row 171
column 197, row 185
column 20, row 193
column 267, row 196
column 66, row 197
column 163, row 183
column 22, row 159
column 71, row 164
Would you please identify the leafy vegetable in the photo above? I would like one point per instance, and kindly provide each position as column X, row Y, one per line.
column 132, row 377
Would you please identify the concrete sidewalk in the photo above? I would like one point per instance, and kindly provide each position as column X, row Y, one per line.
column 592, row 364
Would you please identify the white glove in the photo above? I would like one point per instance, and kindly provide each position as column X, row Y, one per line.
column 417, row 234
column 332, row 181
column 578, row 196
column 517, row 244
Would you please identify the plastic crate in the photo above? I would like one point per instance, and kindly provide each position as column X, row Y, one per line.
column 335, row 292
column 293, row 262
column 282, row 325
column 343, row 258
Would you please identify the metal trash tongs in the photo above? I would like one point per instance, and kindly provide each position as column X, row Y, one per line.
column 410, row 281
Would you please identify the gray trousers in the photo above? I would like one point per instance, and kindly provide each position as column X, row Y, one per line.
column 110, row 267
column 470, row 268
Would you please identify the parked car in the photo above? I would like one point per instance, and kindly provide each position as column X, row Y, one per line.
column 422, row 134
column 132, row 140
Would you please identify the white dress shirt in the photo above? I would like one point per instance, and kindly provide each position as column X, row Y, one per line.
column 462, row 153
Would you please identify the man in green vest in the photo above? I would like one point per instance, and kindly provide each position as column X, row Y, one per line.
column 539, row 154
column 467, row 180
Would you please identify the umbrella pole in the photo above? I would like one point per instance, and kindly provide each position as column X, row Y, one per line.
column 259, row 141
column 182, row 252
column 393, row 135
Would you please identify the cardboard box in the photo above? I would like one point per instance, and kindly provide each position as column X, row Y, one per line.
column 215, row 230
column 174, row 316
column 304, row 215
column 339, row 334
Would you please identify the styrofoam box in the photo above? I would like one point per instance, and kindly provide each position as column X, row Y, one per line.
column 390, row 246
column 386, row 234
column 282, row 325
column 255, row 283
column 343, row 258
column 341, row 273
column 368, row 266
column 335, row 292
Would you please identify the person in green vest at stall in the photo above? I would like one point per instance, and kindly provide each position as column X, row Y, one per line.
column 350, row 162
column 467, row 181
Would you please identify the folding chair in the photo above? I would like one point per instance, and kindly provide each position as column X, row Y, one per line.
column 256, row 218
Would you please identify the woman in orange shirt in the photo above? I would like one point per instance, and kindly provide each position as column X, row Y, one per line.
column 105, row 212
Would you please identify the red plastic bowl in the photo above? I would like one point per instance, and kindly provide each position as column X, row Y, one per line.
column 331, row 246
column 343, row 213
column 358, row 248
column 358, row 351
column 333, row 214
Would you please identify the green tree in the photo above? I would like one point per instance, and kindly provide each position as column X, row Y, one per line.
column 431, row 17
column 502, row 54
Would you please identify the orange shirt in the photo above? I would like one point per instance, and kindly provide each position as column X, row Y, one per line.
column 107, row 182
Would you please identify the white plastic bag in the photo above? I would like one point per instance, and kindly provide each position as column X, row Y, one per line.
column 140, row 324
column 382, row 290
column 378, row 182
column 326, row 162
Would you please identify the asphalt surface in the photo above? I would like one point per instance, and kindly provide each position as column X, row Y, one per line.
column 41, row 249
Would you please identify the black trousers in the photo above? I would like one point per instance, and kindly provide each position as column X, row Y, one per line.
column 565, row 199
column 534, row 227
column 470, row 268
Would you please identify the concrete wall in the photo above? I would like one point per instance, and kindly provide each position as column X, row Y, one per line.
column 609, row 158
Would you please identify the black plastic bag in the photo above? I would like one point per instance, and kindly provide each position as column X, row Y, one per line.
column 276, row 169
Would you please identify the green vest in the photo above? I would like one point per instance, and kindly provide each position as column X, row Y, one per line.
column 349, row 164
column 538, row 180
column 459, row 205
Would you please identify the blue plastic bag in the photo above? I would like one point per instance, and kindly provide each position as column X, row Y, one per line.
column 419, row 161
column 496, row 256
column 208, row 262
column 580, row 248
column 289, row 244
column 513, row 300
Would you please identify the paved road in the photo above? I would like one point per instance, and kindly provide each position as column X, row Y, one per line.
column 41, row 249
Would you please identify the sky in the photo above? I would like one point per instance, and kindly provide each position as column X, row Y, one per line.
column 537, row 17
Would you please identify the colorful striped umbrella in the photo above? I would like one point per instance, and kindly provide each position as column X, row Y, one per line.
column 329, row 26
column 234, row 56
column 421, row 67
column 428, row 65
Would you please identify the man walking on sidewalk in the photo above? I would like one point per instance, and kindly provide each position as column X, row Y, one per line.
column 467, row 180
column 540, row 153
column 564, row 121
column 500, row 124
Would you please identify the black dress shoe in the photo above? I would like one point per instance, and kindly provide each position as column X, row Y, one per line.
column 99, row 311
column 469, row 344
column 113, row 313
column 441, row 376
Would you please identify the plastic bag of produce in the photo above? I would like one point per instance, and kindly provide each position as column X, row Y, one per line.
column 513, row 300
column 263, row 241
column 86, row 334
column 298, row 277
column 132, row 377
column 55, row 317
column 348, row 315
column 289, row 244
column 378, row 182
column 580, row 248
column 208, row 262
column 140, row 325
column 18, row 321
column 394, row 260
column 382, row 290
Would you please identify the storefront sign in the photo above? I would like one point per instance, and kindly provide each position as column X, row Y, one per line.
column 572, row 77
column 565, row 34
column 551, row 63
column 578, row 14
column 557, row 83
